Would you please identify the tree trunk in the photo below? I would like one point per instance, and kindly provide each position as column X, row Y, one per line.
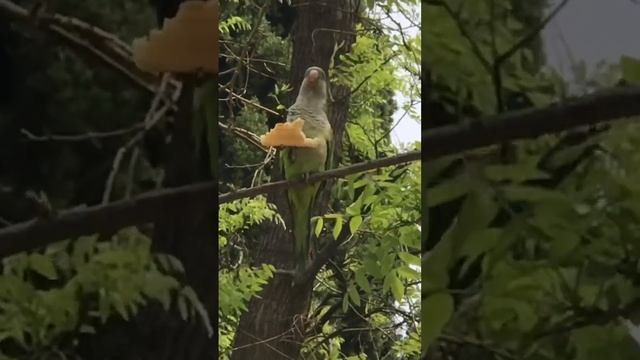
column 190, row 235
column 274, row 325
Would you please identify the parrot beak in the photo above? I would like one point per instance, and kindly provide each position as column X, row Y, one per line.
column 313, row 77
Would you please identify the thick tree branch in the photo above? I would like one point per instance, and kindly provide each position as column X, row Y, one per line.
column 335, row 173
column 147, row 207
column 72, row 223
column 600, row 107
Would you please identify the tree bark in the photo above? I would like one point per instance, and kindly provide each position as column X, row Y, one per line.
column 274, row 325
column 190, row 235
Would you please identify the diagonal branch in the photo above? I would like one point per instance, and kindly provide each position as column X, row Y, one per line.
column 531, row 35
column 330, row 174
column 502, row 58
column 149, row 206
column 72, row 223
column 89, row 135
column 245, row 135
column 599, row 107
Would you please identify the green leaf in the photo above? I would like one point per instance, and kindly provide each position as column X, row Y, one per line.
column 563, row 242
column 182, row 307
column 345, row 303
column 435, row 265
column 478, row 243
column 337, row 228
column 43, row 265
column 630, row 69
column 57, row 247
column 387, row 262
column 176, row 264
column 195, row 302
column 371, row 4
column 118, row 304
column 319, row 224
column 409, row 258
column 526, row 169
column 104, row 306
column 361, row 280
column 82, row 248
column 353, row 294
column 533, row 194
column 447, row 191
column 393, row 283
column 437, row 310
column 372, row 268
column 408, row 273
column 354, row 223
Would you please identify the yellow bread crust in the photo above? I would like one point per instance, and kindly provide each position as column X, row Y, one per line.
column 187, row 43
column 288, row 134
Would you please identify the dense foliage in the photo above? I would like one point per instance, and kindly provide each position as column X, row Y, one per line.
column 532, row 256
column 365, row 301
column 65, row 116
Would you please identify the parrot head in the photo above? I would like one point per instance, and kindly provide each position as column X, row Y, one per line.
column 314, row 84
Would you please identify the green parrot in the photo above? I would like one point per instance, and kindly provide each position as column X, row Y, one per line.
column 299, row 162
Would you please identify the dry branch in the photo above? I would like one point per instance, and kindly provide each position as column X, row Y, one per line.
column 93, row 40
column 87, row 136
column 111, row 51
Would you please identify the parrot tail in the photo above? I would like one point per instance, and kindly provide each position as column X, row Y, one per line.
column 301, row 201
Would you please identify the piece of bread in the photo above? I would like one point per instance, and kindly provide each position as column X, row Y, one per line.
column 187, row 43
column 288, row 134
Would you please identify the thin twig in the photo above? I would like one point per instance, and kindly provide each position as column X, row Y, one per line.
column 153, row 116
column 475, row 49
column 531, row 34
column 502, row 58
column 271, row 153
column 248, row 102
column 90, row 135
column 112, row 52
column 244, row 134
